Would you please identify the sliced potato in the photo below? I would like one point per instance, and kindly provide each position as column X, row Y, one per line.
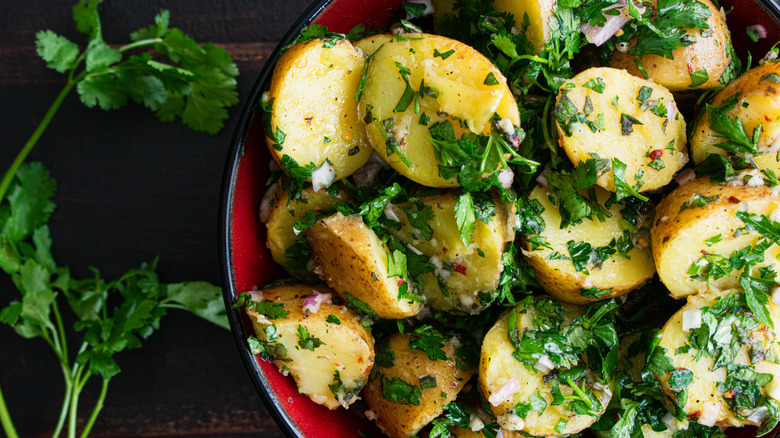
column 326, row 350
column 353, row 261
column 499, row 370
column 410, row 386
column 757, row 102
column 698, row 223
column 604, row 279
column 280, row 226
column 616, row 116
column 313, row 115
column 462, row 86
column 711, row 52
column 469, row 275
column 697, row 381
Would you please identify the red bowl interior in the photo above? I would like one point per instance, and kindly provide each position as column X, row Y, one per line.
column 247, row 263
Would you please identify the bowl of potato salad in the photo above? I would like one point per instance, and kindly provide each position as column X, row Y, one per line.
column 512, row 218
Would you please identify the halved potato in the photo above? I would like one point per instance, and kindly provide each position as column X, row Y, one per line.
column 710, row 52
column 757, row 101
column 410, row 387
column 461, row 85
column 313, row 116
column 604, row 279
column 326, row 349
column 699, row 220
column 697, row 381
column 353, row 261
column 538, row 13
column 610, row 114
column 370, row 44
column 280, row 225
column 506, row 381
column 469, row 275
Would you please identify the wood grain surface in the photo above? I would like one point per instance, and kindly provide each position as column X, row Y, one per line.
column 130, row 189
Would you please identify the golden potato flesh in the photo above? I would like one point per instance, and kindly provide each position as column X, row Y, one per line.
column 711, row 52
column 409, row 388
column 603, row 279
column 324, row 347
column 462, row 86
column 696, row 229
column 538, row 13
column 499, row 370
column 757, row 102
column 469, row 275
column 313, row 115
column 616, row 116
column 370, row 44
column 353, row 261
column 282, row 235
column 740, row 347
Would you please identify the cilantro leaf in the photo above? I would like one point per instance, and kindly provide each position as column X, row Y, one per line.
column 59, row 52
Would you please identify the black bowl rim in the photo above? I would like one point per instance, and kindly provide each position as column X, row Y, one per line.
column 230, row 172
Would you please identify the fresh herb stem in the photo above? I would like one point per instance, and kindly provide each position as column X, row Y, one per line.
column 546, row 123
column 5, row 419
column 582, row 396
column 96, row 410
column 11, row 172
column 141, row 43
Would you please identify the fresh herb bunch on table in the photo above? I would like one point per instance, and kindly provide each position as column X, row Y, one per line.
column 169, row 73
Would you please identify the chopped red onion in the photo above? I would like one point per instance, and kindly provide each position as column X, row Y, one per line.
column 506, row 177
column 313, row 301
column 685, row 176
column 542, row 180
column 267, row 201
column 758, row 30
column 505, row 393
column 599, row 35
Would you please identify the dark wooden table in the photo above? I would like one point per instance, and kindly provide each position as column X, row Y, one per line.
column 132, row 188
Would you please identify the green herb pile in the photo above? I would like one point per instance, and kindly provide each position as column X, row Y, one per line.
column 169, row 73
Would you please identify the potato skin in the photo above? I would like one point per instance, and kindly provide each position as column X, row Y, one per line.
column 348, row 348
column 679, row 233
column 560, row 279
column 497, row 366
column 469, row 273
column 352, row 260
column 460, row 90
column 709, row 53
column 704, row 386
column 758, row 102
column 313, row 90
column 636, row 145
column 404, row 420
column 284, row 213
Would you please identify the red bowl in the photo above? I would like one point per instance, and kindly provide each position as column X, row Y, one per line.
column 245, row 261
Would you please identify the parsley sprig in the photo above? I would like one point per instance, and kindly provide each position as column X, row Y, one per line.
column 113, row 316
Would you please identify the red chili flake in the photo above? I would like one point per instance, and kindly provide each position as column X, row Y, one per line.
column 656, row 153
column 733, row 199
column 703, row 251
column 460, row 269
column 400, row 281
column 444, row 250
column 690, row 67
column 617, row 415
column 308, row 120
column 729, row 394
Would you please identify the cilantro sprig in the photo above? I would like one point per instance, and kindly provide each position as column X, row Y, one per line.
column 196, row 83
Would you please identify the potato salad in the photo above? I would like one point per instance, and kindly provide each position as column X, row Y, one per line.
column 527, row 218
